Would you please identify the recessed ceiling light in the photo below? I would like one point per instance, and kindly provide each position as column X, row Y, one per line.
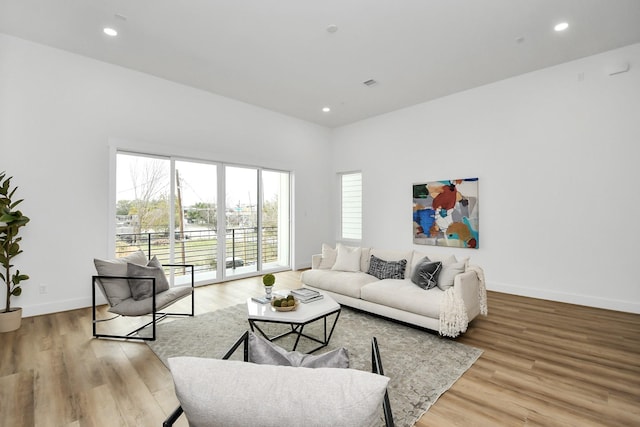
column 332, row 28
column 110, row 32
column 561, row 26
column 326, row 109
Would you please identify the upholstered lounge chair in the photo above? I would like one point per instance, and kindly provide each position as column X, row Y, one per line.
column 233, row 393
column 136, row 287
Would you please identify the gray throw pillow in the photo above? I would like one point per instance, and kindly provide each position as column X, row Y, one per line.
column 426, row 273
column 117, row 290
column 387, row 269
column 231, row 393
column 264, row 352
column 142, row 289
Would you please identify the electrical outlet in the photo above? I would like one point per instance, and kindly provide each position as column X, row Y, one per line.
column 43, row 289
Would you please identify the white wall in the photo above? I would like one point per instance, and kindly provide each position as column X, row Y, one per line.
column 58, row 112
column 557, row 152
column 556, row 155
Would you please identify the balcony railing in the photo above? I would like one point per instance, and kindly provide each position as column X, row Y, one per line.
column 200, row 247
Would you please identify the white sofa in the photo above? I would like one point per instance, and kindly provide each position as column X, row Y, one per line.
column 460, row 294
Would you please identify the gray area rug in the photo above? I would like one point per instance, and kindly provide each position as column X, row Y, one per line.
column 422, row 366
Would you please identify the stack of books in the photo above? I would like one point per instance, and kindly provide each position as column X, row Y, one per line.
column 306, row 295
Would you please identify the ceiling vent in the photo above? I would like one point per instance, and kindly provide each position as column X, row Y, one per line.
column 370, row 82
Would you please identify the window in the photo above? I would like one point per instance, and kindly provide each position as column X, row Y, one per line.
column 228, row 221
column 351, row 205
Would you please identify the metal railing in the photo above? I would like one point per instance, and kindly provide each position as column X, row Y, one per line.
column 200, row 247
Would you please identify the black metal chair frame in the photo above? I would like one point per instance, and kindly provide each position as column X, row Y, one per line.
column 156, row 315
column 376, row 368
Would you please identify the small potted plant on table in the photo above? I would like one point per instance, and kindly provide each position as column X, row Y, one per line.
column 268, row 280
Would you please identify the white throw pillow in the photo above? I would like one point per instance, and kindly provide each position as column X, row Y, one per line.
column 328, row 257
column 231, row 393
column 347, row 259
column 449, row 273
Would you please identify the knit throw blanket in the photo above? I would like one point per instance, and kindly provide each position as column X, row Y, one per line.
column 453, row 313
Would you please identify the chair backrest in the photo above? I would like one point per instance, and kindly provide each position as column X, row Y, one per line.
column 117, row 289
column 234, row 393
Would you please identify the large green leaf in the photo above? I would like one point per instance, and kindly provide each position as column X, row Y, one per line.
column 14, row 204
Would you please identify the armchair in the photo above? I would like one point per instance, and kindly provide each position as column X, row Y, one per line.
column 237, row 394
column 135, row 287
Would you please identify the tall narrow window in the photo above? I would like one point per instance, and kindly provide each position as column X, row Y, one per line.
column 351, row 205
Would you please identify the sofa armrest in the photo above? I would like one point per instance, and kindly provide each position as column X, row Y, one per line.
column 315, row 261
column 466, row 286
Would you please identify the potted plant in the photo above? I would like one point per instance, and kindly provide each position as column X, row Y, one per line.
column 268, row 280
column 11, row 220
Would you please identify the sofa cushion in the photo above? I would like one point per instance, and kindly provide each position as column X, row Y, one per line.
column 364, row 259
column 328, row 257
column 347, row 258
column 426, row 273
column 231, row 393
column 340, row 282
column 264, row 352
column 449, row 273
column 404, row 295
column 387, row 269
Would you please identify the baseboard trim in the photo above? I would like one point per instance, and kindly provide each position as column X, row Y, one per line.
column 58, row 306
column 586, row 300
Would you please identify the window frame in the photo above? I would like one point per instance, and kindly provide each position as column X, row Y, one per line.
column 341, row 212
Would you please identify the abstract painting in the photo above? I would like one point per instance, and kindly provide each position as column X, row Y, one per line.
column 445, row 213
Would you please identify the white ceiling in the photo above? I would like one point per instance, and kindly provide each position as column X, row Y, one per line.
column 277, row 53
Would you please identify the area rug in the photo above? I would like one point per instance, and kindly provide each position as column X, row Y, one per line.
column 421, row 365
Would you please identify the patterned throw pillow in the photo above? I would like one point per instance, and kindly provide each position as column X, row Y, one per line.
column 426, row 273
column 387, row 269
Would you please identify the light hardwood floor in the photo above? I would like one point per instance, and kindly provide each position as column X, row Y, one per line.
column 544, row 364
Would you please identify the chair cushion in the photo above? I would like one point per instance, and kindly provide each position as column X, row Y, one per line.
column 231, row 393
column 143, row 288
column 264, row 352
column 117, row 290
column 131, row 307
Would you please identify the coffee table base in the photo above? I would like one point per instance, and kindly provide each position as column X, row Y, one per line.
column 298, row 329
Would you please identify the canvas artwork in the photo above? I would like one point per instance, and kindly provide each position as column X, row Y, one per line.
column 445, row 213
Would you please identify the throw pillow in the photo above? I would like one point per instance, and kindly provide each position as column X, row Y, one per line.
column 449, row 273
column 347, row 258
column 387, row 269
column 143, row 288
column 264, row 352
column 231, row 393
column 117, row 290
column 328, row 257
column 426, row 273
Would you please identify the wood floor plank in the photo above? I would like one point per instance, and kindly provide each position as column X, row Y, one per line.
column 545, row 363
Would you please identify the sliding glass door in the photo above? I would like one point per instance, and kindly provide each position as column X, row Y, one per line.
column 241, row 196
column 227, row 220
